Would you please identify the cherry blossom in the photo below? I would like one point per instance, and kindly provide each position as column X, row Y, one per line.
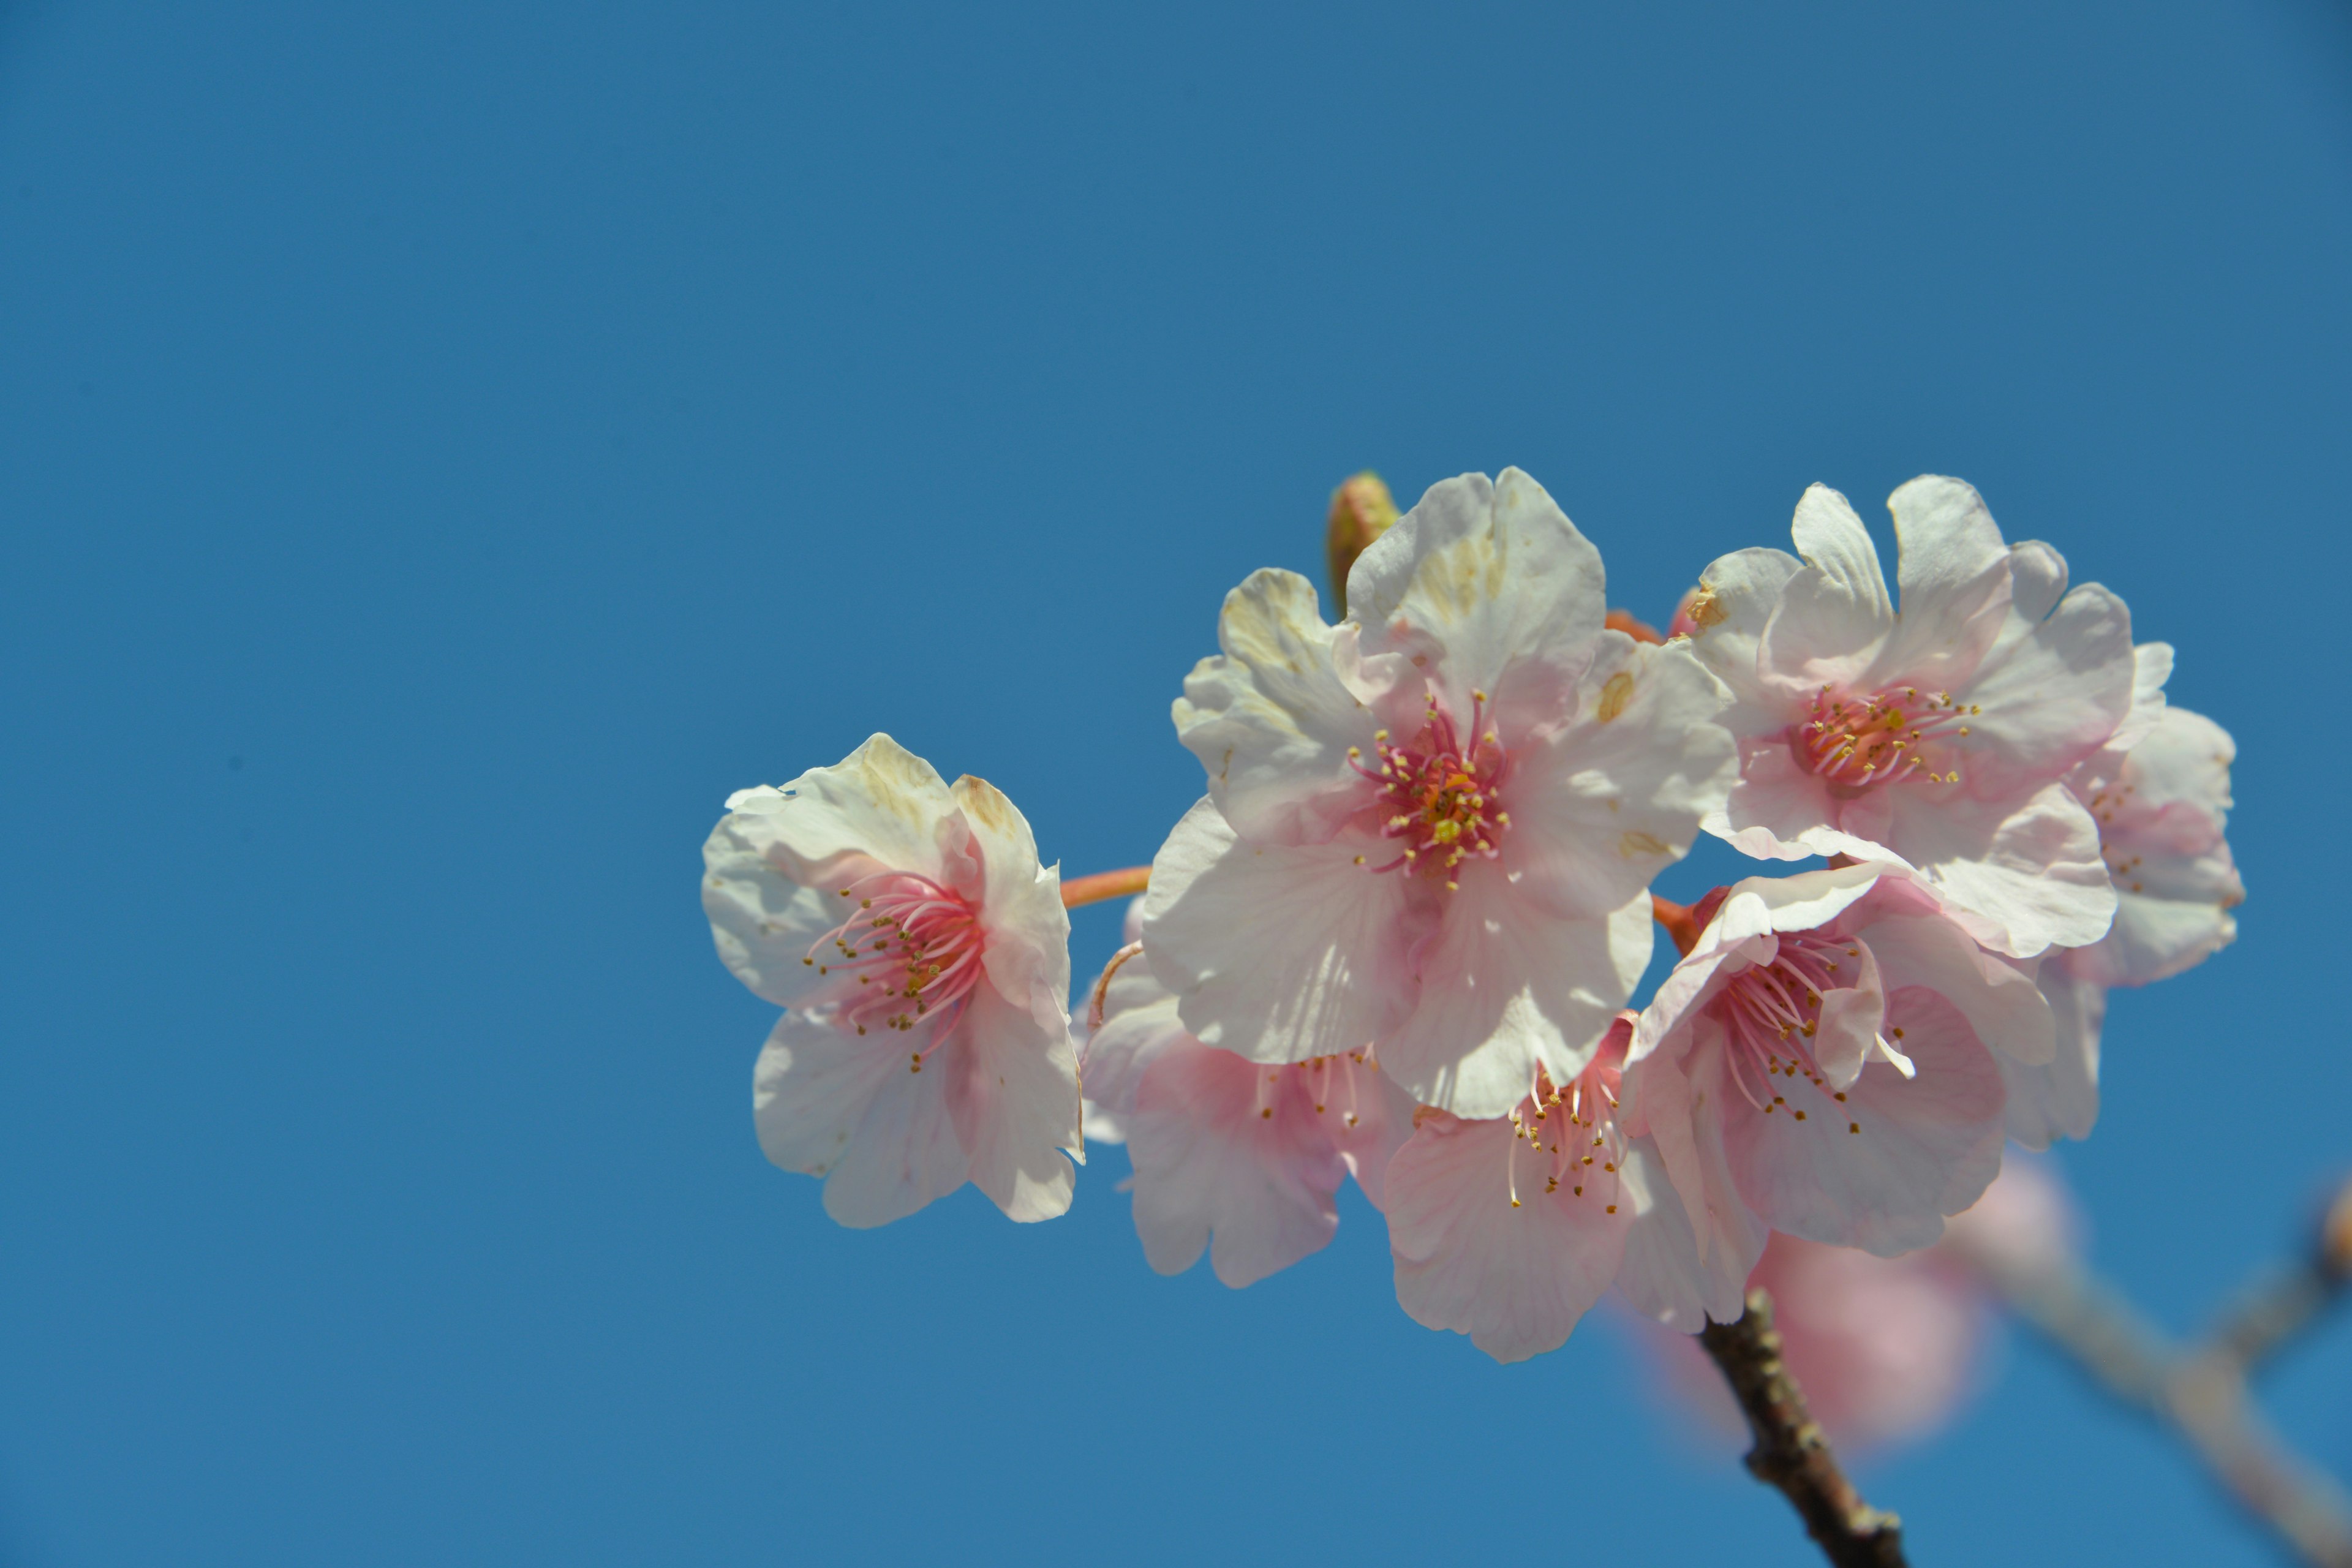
column 923, row 954
column 1249, row 1154
column 1941, row 737
column 2162, row 804
column 1510, row 1228
column 1430, row 829
column 1819, row 1062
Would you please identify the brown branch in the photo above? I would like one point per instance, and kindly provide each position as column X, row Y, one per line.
column 1790, row 1452
column 2200, row 1393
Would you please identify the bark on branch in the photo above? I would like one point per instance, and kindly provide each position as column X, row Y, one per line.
column 1790, row 1452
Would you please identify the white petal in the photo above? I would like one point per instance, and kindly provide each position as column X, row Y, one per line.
column 1738, row 593
column 881, row 802
column 1482, row 587
column 2037, row 576
column 1780, row 811
column 2043, row 701
column 1280, row 954
column 1953, row 571
column 2018, row 881
column 2151, row 667
column 1270, row 718
column 762, row 923
column 1013, row 1075
column 1603, row 802
column 831, row 1103
column 1833, row 617
column 1511, row 986
column 1515, row 1279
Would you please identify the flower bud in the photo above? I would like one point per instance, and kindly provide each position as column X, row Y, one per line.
column 2336, row 1235
column 1362, row 511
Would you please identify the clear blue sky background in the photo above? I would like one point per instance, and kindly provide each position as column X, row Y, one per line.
column 445, row 448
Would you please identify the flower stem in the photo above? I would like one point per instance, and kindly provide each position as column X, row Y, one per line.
column 1678, row 922
column 1791, row 1453
column 1104, row 885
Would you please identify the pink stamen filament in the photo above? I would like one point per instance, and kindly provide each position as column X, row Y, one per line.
column 1438, row 795
column 1589, row 1104
column 915, row 948
column 1771, row 1013
column 1860, row 741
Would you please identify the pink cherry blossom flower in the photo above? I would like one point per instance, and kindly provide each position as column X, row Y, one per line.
column 1430, row 828
column 2162, row 802
column 1510, row 1228
column 1249, row 1154
column 1941, row 737
column 1819, row 1062
column 923, row 953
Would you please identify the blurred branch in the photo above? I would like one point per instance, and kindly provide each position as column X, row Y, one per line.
column 2199, row 1392
column 1790, row 1452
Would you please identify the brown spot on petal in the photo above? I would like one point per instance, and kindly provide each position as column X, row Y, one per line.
column 1706, row 610
column 1638, row 842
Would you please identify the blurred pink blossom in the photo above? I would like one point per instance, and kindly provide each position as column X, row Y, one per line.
column 1887, row 1349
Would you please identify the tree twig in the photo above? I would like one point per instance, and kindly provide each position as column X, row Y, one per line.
column 2199, row 1392
column 1790, row 1452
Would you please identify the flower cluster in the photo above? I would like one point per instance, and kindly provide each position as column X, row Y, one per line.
column 1396, row 937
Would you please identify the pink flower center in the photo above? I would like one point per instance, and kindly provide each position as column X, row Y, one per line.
column 1771, row 1013
column 914, row 947
column 1855, row 740
column 1571, row 1131
column 1440, row 797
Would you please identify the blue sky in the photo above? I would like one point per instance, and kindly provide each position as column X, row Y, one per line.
column 445, row 449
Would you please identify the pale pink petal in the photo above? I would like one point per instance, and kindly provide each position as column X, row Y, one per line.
column 1383, row 1121
column 1270, row 718
column 1999, row 1002
column 1954, row 572
column 1279, row 953
column 1662, row 1276
column 1210, row 1159
column 831, row 1103
column 1140, row 1022
column 2062, row 1099
column 2020, row 879
column 1926, row 1147
column 1012, row 1077
column 1509, row 986
column 1607, row 798
column 1484, row 587
column 1737, row 595
column 1028, row 930
column 1514, row 1279
column 1674, row 1104
column 1883, row 1347
column 1833, row 615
